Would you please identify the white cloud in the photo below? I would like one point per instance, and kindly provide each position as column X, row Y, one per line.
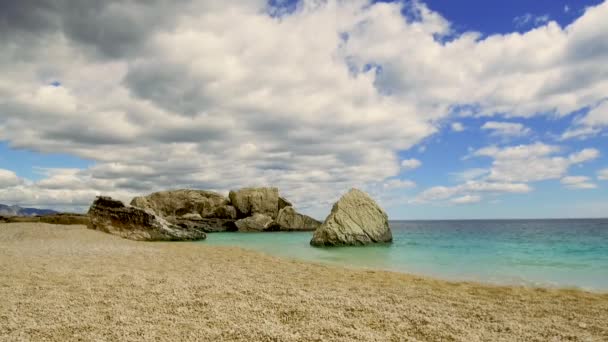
column 457, row 127
column 410, row 164
column 220, row 95
column 470, row 174
column 393, row 184
column 529, row 19
column 602, row 174
column 581, row 133
column 531, row 163
column 506, row 129
column 8, row 178
column 512, row 169
column 466, row 199
column 439, row 193
column 589, row 125
column 584, row 155
column 577, row 182
column 566, row 8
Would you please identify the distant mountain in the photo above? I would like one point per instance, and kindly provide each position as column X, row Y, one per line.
column 15, row 210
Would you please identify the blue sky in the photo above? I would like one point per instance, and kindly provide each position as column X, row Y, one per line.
column 511, row 123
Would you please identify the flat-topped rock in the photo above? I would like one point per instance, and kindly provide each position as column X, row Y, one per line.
column 355, row 220
column 249, row 201
column 290, row 220
column 112, row 216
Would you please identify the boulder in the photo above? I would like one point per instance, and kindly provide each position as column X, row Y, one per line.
column 112, row 216
column 354, row 220
column 289, row 219
column 177, row 203
column 249, row 201
column 257, row 223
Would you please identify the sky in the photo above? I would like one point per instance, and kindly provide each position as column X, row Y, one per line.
column 438, row 109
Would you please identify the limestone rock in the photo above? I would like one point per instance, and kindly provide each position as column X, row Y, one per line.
column 177, row 203
column 289, row 219
column 354, row 220
column 249, row 201
column 257, row 223
column 208, row 225
column 284, row 203
column 112, row 216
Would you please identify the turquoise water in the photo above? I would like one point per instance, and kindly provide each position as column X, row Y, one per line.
column 554, row 253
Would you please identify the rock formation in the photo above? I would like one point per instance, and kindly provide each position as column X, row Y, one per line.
column 354, row 220
column 257, row 223
column 193, row 209
column 289, row 219
column 249, row 201
column 177, row 203
column 112, row 216
column 247, row 209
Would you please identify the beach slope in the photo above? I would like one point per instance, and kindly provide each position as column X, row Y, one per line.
column 63, row 283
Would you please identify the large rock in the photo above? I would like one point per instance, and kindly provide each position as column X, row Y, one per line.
column 177, row 203
column 354, row 220
column 289, row 220
column 249, row 201
column 257, row 223
column 208, row 225
column 112, row 216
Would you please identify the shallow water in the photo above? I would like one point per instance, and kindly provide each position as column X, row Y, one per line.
column 563, row 253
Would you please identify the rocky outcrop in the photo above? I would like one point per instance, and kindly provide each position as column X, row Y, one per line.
column 249, row 201
column 354, row 220
column 289, row 219
column 196, row 209
column 177, row 203
column 112, row 216
column 257, row 223
column 211, row 212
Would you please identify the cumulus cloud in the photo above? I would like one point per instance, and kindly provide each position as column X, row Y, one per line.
column 590, row 124
column 467, row 199
column 410, row 164
column 531, row 163
column 399, row 184
column 602, row 174
column 506, row 129
column 457, row 127
column 8, row 178
column 513, row 167
column 439, row 193
column 218, row 95
column 577, row 182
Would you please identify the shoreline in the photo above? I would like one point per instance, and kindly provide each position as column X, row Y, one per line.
column 420, row 276
column 68, row 282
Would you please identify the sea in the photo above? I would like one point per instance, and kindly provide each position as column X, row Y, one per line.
column 570, row 253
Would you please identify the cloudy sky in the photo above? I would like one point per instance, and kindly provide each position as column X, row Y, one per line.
column 439, row 109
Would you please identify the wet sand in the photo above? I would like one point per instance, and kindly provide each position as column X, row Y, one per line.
column 61, row 283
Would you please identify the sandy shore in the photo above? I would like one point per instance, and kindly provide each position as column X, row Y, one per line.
column 68, row 283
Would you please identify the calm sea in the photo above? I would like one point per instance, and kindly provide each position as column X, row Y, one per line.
column 553, row 253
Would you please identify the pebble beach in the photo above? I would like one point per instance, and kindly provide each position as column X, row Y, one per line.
column 61, row 283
